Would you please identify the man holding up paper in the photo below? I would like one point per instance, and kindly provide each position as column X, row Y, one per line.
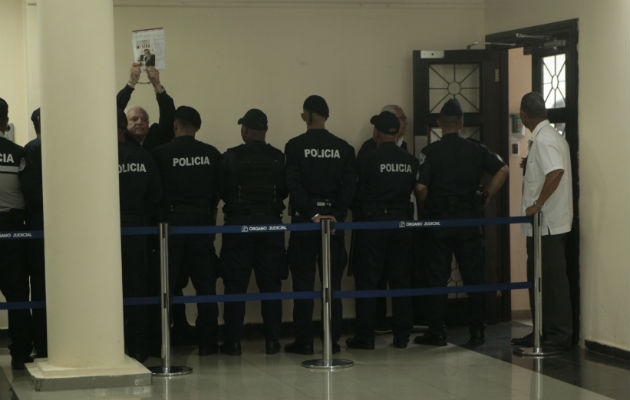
column 137, row 117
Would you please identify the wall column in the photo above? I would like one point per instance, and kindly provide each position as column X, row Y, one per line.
column 81, row 204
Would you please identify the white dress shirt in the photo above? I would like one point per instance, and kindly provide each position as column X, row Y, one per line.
column 549, row 152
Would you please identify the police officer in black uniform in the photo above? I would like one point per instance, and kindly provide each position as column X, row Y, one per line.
column 31, row 181
column 13, row 274
column 321, row 179
column 387, row 177
column 450, row 174
column 140, row 193
column 190, row 179
column 254, row 188
column 367, row 147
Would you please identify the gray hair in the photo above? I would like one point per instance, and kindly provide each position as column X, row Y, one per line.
column 534, row 105
column 392, row 108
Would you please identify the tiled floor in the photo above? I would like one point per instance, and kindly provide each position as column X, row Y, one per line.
column 419, row 372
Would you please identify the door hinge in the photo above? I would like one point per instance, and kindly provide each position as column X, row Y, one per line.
column 497, row 75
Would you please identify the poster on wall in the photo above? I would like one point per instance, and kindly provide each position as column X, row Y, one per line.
column 149, row 47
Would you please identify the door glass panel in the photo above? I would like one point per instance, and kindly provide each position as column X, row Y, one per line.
column 554, row 81
column 459, row 81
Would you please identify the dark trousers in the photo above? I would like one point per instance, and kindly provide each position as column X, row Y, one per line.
column 383, row 253
column 195, row 256
column 135, row 273
column 36, row 271
column 557, row 315
column 381, row 302
column 466, row 245
column 304, row 254
column 264, row 254
column 14, row 284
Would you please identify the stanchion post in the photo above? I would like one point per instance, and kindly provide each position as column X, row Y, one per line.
column 165, row 368
column 326, row 293
column 538, row 311
column 537, row 349
column 326, row 362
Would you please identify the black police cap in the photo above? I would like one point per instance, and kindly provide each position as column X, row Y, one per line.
column 35, row 115
column 254, row 119
column 386, row 122
column 121, row 118
column 4, row 108
column 316, row 104
column 451, row 108
column 189, row 115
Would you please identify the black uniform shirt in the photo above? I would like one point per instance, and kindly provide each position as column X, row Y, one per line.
column 370, row 145
column 253, row 179
column 31, row 177
column 189, row 170
column 161, row 132
column 11, row 164
column 387, row 177
column 320, row 168
column 454, row 166
column 140, row 187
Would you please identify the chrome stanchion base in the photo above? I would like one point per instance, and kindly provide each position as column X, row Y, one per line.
column 335, row 363
column 173, row 370
column 535, row 352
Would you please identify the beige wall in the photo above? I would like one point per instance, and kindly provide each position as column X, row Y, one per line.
column 12, row 67
column 604, row 101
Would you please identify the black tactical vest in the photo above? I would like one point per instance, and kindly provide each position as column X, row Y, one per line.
column 256, row 175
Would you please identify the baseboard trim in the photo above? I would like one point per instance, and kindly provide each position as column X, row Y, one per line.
column 604, row 349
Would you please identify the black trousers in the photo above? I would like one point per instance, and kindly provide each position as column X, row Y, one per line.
column 36, row 271
column 14, row 284
column 195, row 256
column 557, row 315
column 264, row 254
column 304, row 254
column 135, row 271
column 386, row 254
column 466, row 245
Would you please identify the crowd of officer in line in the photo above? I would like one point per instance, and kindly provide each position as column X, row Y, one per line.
column 166, row 174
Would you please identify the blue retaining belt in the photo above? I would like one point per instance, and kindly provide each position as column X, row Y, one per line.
column 311, row 226
column 342, row 294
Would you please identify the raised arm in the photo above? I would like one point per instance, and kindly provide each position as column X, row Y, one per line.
column 122, row 98
column 166, row 106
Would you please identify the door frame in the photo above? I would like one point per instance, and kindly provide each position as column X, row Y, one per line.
column 566, row 30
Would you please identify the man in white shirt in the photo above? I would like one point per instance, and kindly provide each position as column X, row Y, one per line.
column 547, row 189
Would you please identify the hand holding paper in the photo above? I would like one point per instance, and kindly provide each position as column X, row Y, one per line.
column 134, row 74
column 154, row 78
